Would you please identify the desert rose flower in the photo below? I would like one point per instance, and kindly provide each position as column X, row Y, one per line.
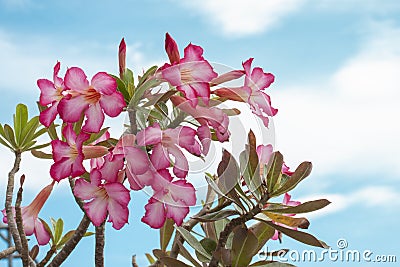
column 51, row 93
column 30, row 213
column 264, row 153
column 171, row 199
column 94, row 99
column 191, row 74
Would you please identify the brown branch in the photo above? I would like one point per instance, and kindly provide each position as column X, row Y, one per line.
column 232, row 225
column 47, row 258
column 99, row 250
column 7, row 252
column 9, row 196
column 20, row 226
column 178, row 239
column 72, row 243
column 134, row 264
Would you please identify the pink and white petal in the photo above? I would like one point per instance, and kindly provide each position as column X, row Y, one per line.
column 117, row 214
column 69, row 134
column 264, row 102
column 226, row 77
column 96, row 210
column 285, row 170
column 202, row 71
column 48, row 115
column 137, row 160
column 47, row 92
column 118, row 193
column 177, row 213
column 56, row 70
column 275, row 236
column 138, row 182
column 113, row 104
column 260, row 79
column 172, row 74
column 155, row 214
column 112, row 165
column 247, row 66
column 160, row 157
column 183, row 192
column 162, row 179
column 172, row 49
column 85, row 190
column 94, row 119
column 192, row 53
column 60, row 150
column 77, row 167
column 204, row 134
column 72, row 108
column 104, row 83
column 76, row 80
column 190, row 94
column 61, row 169
column 28, row 222
column 41, row 234
column 264, row 153
column 149, row 136
column 181, row 165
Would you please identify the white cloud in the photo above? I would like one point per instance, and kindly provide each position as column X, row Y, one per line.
column 238, row 18
column 348, row 121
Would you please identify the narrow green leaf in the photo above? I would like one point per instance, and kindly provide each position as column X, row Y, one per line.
column 158, row 253
column 65, row 238
column 220, row 225
column 2, row 133
column 193, row 242
column 157, row 98
column 40, row 154
column 150, row 72
column 28, row 145
column 39, row 146
column 94, row 136
column 88, row 234
column 274, row 170
column 166, row 233
column 140, row 91
column 122, row 88
column 305, row 207
column 150, row 258
column 187, row 255
column 39, row 133
column 29, row 131
column 215, row 216
column 288, row 220
column 10, row 136
column 297, row 235
column 209, row 245
column 302, row 171
column 244, row 246
column 263, row 232
column 4, row 143
column 20, row 120
column 172, row 262
column 58, row 230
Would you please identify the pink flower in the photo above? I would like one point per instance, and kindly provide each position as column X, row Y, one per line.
column 252, row 92
column 264, row 153
column 171, row 199
column 168, row 142
column 191, row 74
column 207, row 116
column 105, row 194
column 90, row 99
column 51, row 92
column 30, row 213
column 286, row 201
column 122, row 58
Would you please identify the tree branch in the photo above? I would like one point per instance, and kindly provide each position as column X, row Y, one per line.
column 20, row 226
column 72, row 243
column 7, row 252
column 99, row 250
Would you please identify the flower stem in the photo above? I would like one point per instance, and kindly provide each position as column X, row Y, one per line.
column 99, row 250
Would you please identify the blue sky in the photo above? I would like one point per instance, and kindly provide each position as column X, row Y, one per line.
column 336, row 64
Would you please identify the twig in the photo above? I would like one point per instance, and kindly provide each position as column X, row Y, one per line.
column 134, row 264
column 7, row 252
column 20, row 226
column 9, row 196
column 47, row 258
column 232, row 225
column 99, row 250
column 72, row 243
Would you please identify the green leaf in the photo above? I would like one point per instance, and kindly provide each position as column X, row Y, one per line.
column 274, row 170
column 220, row 225
column 39, row 133
column 39, row 146
column 40, row 154
column 122, row 88
column 140, row 91
column 20, row 120
column 58, row 230
column 215, row 216
column 65, row 238
column 29, row 131
column 302, row 171
column 244, row 246
column 187, row 255
column 48, row 229
column 128, row 77
column 231, row 111
column 172, row 262
column 4, row 143
column 88, row 234
column 150, row 258
column 10, row 136
column 94, row 136
column 150, row 72
column 166, row 233
column 209, row 245
column 305, row 207
column 297, row 235
column 301, row 222
column 193, row 242
column 2, row 133
column 263, row 232
column 157, row 98
column 159, row 253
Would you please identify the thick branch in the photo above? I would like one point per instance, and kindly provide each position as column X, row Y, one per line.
column 9, row 196
column 99, row 251
column 232, row 225
column 72, row 243
column 7, row 252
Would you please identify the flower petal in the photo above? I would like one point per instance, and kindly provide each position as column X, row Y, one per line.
column 112, row 165
column 84, row 190
column 61, row 169
column 149, row 136
column 155, row 214
column 177, row 213
column 118, row 193
column 264, row 153
column 159, row 157
column 47, row 92
column 104, row 83
column 96, row 210
column 48, row 115
column 72, row 108
column 41, row 234
column 181, row 165
column 112, row 104
column 172, row 49
column 76, row 80
column 137, row 160
column 95, row 119
column 117, row 214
